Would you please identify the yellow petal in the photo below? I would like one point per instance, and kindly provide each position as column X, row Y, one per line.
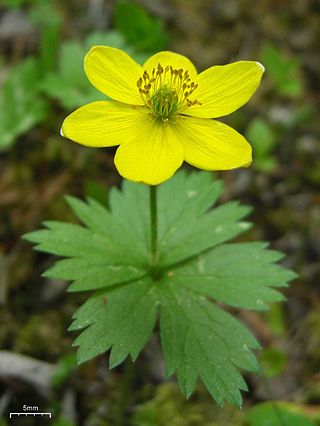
column 114, row 73
column 152, row 157
column 169, row 58
column 211, row 145
column 103, row 123
column 223, row 89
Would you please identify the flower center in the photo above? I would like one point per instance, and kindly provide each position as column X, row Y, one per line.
column 167, row 91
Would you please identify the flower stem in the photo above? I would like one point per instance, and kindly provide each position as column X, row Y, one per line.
column 154, row 230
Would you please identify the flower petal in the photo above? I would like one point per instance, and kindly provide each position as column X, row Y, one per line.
column 103, row 123
column 223, row 89
column 211, row 145
column 152, row 157
column 114, row 73
column 169, row 58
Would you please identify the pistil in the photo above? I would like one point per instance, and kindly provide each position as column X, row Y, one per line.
column 166, row 91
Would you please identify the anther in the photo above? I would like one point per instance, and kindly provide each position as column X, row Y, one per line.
column 160, row 69
column 166, row 93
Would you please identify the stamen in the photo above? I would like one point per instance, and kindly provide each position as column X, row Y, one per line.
column 166, row 91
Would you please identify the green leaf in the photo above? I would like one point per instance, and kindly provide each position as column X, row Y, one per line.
column 241, row 275
column 20, row 103
column 96, row 190
column 110, row 254
column 87, row 275
column 192, row 330
column 263, row 138
column 64, row 367
column 46, row 17
column 145, row 32
column 275, row 319
column 184, row 230
column 277, row 414
column 122, row 319
column 273, row 361
column 191, row 236
column 69, row 84
column 14, row 4
column 284, row 70
column 98, row 256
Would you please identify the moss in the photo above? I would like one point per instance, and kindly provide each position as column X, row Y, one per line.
column 42, row 336
column 313, row 341
column 10, row 329
column 95, row 420
column 170, row 407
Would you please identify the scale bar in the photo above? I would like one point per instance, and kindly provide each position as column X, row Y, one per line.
column 30, row 414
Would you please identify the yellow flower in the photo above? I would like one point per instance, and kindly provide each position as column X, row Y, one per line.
column 161, row 113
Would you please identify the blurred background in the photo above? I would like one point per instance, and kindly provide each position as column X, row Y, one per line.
column 42, row 45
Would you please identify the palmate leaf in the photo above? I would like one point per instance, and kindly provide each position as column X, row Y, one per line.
column 98, row 256
column 123, row 319
column 200, row 339
column 182, row 202
column 242, row 275
column 110, row 255
column 21, row 105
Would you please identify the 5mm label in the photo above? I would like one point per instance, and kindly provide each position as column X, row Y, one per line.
column 30, row 410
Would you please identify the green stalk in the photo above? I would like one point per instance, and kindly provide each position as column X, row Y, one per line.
column 154, row 231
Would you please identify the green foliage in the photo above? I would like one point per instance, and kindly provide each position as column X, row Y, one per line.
column 285, row 71
column 20, row 103
column 69, row 84
column 273, row 361
column 37, row 4
column 192, row 330
column 14, row 4
column 263, row 138
column 130, row 319
column 63, row 369
column 145, row 32
column 277, row 414
column 63, row 421
column 275, row 319
column 96, row 190
column 110, row 255
column 48, row 20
